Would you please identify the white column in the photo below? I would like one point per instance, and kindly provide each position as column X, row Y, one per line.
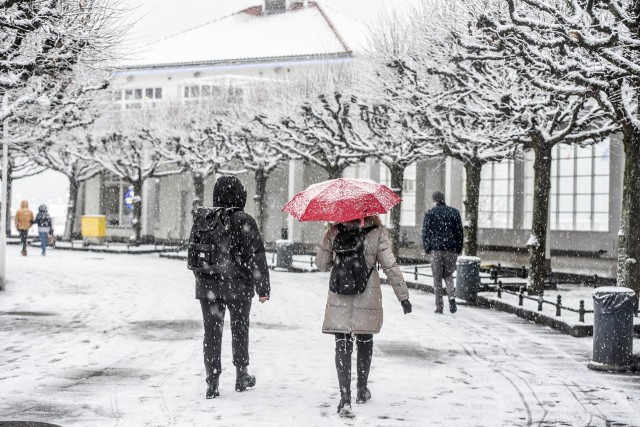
column 296, row 184
column 448, row 179
column 4, row 201
column 547, row 249
column 144, row 215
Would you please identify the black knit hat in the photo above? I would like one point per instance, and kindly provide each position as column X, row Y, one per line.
column 438, row 196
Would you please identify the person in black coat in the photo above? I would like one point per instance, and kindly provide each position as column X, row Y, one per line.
column 247, row 275
column 443, row 237
column 45, row 227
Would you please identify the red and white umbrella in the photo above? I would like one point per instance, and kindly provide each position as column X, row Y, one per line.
column 341, row 200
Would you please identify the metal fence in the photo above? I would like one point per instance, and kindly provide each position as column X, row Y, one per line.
column 540, row 300
column 493, row 283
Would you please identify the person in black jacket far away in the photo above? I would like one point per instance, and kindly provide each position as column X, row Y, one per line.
column 442, row 237
column 237, row 272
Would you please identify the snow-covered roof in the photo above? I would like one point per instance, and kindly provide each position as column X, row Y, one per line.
column 303, row 31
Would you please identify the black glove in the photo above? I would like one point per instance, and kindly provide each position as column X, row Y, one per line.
column 406, row 306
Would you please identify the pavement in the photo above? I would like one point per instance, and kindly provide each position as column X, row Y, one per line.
column 115, row 340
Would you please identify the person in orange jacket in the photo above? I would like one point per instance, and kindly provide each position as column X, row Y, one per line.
column 23, row 221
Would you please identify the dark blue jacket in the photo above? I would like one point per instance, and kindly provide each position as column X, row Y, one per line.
column 442, row 229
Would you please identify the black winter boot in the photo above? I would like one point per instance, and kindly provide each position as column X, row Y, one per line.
column 243, row 379
column 344, row 407
column 212, row 387
column 452, row 305
column 363, row 395
column 344, row 348
column 365, row 354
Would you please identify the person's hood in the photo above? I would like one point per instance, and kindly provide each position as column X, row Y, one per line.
column 229, row 193
column 356, row 223
column 24, row 204
column 42, row 208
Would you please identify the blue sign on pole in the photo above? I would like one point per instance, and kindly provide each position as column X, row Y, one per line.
column 129, row 198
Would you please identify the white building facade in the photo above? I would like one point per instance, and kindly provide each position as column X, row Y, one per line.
column 281, row 38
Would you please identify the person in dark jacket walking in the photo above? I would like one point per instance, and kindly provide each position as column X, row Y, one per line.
column 245, row 274
column 442, row 237
column 45, row 227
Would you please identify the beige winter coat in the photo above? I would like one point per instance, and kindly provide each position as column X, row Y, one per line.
column 24, row 217
column 361, row 314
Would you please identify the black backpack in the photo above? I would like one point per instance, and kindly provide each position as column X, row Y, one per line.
column 349, row 274
column 210, row 244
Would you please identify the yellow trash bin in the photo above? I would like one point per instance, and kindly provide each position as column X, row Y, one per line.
column 94, row 229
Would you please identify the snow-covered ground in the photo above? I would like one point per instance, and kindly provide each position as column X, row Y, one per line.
column 115, row 340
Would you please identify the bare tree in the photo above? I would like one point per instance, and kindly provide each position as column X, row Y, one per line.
column 196, row 137
column 43, row 40
column 258, row 153
column 19, row 166
column 450, row 108
column 132, row 155
column 476, row 99
column 50, row 135
column 320, row 133
column 387, row 112
column 58, row 154
column 393, row 142
column 316, row 119
column 585, row 49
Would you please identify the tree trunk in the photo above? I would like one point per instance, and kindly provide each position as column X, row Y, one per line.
column 397, row 184
column 261, row 205
column 630, row 228
column 335, row 172
column 137, row 212
column 71, row 209
column 473, row 169
column 198, row 186
column 538, row 240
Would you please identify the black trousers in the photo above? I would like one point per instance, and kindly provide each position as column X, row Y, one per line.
column 213, row 316
column 23, row 239
column 344, row 349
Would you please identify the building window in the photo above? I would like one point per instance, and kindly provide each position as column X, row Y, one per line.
column 119, row 213
column 495, row 208
column 200, row 92
column 495, row 204
column 129, row 99
column 579, row 198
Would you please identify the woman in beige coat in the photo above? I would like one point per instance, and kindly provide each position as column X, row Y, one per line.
column 23, row 221
column 359, row 315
